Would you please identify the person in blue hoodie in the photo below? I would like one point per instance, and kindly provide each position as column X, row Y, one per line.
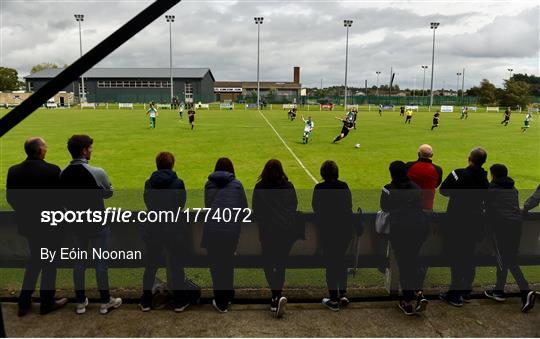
column 220, row 238
column 164, row 191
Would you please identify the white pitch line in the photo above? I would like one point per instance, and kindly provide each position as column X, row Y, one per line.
column 290, row 150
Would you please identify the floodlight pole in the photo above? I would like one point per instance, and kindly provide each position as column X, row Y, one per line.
column 170, row 20
column 258, row 22
column 80, row 18
column 424, row 67
column 378, row 73
column 457, row 84
column 510, row 70
column 433, row 26
column 463, row 88
column 347, row 24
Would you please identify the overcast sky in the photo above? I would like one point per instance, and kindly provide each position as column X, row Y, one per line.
column 484, row 37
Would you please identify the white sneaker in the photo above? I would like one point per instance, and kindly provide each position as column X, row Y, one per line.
column 81, row 307
column 282, row 305
column 113, row 303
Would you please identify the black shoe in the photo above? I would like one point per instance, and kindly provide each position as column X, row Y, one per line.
column 466, row 298
column 146, row 302
column 495, row 295
column 330, row 304
column 219, row 308
column 273, row 305
column 451, row 299
column 22, row 311
column 421, row 302
column 527, row 301
column 406, row 308
column 344, row 302
column 57, row 304
column 180, row 307
column 282, row 305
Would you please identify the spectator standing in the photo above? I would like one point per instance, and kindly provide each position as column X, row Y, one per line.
column 31, row 188
column 332, row 205
column 505, row 221
column 222, row 191
column 164, row 191
column 425, row 174
column 86, row 187
column 274, row 208
column 402, row 199
column 463, row 227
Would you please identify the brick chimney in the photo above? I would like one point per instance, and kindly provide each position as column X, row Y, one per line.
column 296, row 75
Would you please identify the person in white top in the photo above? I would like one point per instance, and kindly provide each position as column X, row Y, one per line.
column 152, row 113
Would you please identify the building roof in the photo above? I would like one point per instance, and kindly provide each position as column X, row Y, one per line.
column 101, row 73
column 253, row 84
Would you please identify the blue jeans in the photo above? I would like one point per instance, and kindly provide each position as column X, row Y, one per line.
column 100, row 240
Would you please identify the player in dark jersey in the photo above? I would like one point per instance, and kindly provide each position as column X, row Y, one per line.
column 292, row 114
column 402, row 111
column 435, row 120
column 507, row 114
column 191, row 116
column 347, row 125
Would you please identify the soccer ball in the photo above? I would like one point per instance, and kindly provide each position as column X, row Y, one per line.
column 357, row 146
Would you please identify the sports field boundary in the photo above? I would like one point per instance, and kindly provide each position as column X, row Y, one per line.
column 289, row 149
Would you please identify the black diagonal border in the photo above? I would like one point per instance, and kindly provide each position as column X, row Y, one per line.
column 83, row 64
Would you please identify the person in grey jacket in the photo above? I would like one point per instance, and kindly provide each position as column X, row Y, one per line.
column 86, row 187
column 220, row 238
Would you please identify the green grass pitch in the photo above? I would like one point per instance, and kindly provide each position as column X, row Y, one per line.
column 126, row 147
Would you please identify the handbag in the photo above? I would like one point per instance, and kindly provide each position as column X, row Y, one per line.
column 382, row 223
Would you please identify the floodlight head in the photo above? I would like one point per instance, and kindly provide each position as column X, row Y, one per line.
column 347, row 23
column 79, row 17
column 259, row 20
column 434, row 25
column 458, row 74
column 424, row 66
column 378, row 72
column 510, row 69
column 170, row 18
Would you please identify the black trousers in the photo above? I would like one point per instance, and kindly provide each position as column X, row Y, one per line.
column 221, row 247
column 275, row 251
column 336, row 267
column 170, row 243
column 508, row 236
column 35, row 266
column 460, row 252
column 411, row 272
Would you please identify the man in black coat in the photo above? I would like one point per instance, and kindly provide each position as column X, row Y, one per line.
column 30, row 190
column 466, row 188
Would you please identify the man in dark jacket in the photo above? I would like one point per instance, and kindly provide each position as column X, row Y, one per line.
column 466, row 188
column 332, row 205
column 505, row 217
column 402, row 199
column 164, row 191
column 31, row 188
column 86, row 187
column 425, row 174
